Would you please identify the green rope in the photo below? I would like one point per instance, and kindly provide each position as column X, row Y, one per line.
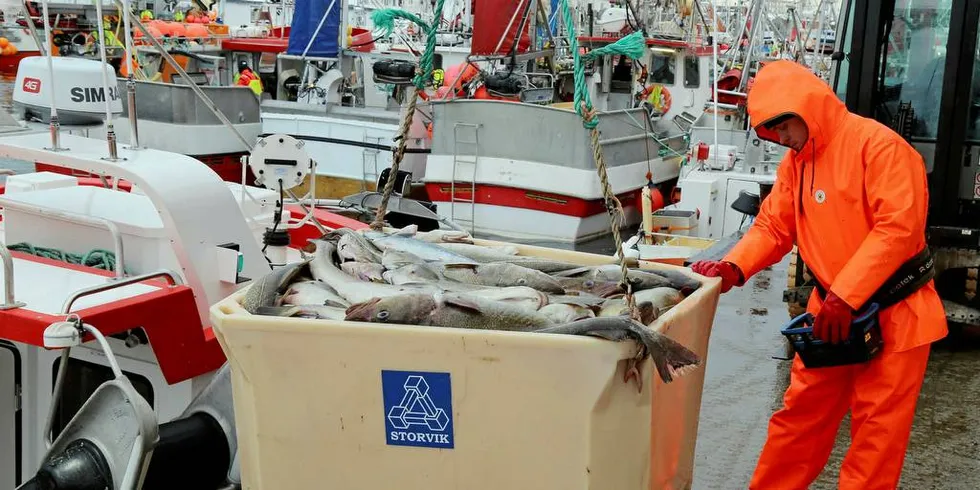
column 97, row 258
column 632, row 46
column 384, row 19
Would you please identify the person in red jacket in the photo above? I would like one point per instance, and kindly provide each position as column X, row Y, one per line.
column 853, row 196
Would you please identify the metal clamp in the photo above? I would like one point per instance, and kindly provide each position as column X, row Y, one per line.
column 8, row 280
column 98, row 288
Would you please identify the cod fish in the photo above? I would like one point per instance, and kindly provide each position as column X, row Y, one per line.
column 352, row 245
column 669, row 357
column 365, row 271
column 522, row 296
column 617, row 307
column 481, row 253
column 393, row 259
column 411, row 273
column 661, row 298
column 265, row 290
column 502, row 275
column 323, row 268
column 308, row 311
column 445, row 236
column 429, row 252
column 590, row 286
column 612, row 273
column 566, row 313
column 313, row 293
column 452, row 310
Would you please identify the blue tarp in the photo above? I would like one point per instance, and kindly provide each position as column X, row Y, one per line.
column 306, row 18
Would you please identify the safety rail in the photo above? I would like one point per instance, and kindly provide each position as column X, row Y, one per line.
column 66, row 352
column 117, row 241
column 98, row 288
column 8, row 280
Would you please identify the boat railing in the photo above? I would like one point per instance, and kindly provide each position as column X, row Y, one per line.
column 117, row 241
column 98, row 288
column 134, row 18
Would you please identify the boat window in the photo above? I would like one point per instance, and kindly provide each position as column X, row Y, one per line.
column 10, row 416
column 915, row 63
column 662, row 68
column 692, row 72
column 82, row 379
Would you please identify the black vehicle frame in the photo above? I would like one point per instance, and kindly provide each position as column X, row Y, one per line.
column 914, row 65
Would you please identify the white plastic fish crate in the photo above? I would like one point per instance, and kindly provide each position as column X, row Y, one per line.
column 350, row 405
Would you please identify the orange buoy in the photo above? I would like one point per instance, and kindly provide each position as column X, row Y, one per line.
column 178, row 30
column 4, row 42
column 197, row 31
column 154, row 32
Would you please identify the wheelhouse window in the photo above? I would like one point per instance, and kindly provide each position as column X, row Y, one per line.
column 692, row 72
column 662, row 67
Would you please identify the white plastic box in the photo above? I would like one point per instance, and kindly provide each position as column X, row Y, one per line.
column 36, row 181
column 357, row 406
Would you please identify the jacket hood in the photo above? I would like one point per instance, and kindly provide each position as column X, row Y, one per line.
column 784, row 87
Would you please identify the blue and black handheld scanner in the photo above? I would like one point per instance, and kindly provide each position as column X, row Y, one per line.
column 862, row 345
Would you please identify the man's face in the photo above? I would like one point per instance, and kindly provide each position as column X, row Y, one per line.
column 792, row 133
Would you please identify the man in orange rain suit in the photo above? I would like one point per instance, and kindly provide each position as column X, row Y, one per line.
column 852, row 194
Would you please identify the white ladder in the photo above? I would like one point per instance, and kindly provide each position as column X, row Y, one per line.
column 466, row 153
column 369, row 162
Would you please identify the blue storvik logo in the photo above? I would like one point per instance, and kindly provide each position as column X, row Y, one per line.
column 418, row 409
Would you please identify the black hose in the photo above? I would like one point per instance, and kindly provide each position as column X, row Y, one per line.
column 192, row 454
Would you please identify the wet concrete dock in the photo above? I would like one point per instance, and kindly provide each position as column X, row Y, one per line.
column 744, row 386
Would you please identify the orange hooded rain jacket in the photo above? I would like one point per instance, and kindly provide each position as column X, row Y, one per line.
column 854, row 200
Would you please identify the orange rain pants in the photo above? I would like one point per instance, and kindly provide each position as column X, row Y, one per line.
column 854, row 200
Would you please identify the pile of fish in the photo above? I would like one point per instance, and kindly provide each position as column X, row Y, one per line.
column 441, row 278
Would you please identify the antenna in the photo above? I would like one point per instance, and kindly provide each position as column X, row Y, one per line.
column 130, row 81
column 55, row 125
column 110, row 134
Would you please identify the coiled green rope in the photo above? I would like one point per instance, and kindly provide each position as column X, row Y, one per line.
column 97, row 258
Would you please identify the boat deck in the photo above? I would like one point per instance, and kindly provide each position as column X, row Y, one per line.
column 45, row 287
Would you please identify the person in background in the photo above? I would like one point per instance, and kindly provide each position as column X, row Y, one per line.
column 248, row 78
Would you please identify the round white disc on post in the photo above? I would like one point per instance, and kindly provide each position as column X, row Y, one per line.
column 280, row 157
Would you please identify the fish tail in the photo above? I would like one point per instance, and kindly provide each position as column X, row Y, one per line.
column 671, row 358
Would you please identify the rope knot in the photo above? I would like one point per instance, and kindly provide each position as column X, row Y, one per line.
column 590, row 116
